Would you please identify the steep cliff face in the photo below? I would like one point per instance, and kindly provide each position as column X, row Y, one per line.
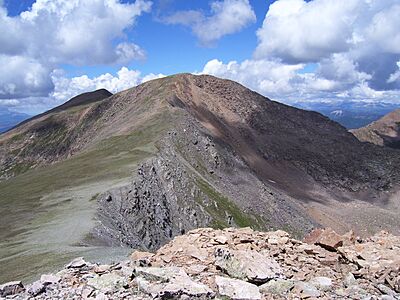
column 194, row 180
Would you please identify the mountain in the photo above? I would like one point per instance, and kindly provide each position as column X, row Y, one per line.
column 351, row 115
column 383, row 132
column 9, row 119
column 144, row 165
column 82, row 99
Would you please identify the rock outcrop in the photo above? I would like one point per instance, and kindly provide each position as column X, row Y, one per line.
column 233, row 264
column 383, row 132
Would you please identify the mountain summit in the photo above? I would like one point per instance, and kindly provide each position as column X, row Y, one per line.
column 188, row 151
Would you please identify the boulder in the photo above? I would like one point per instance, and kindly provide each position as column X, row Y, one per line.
column 170, row 283
column 237, row 289
column 329, row 239
column 47, row 279
column 196, row 252
column 277, row 287
column 100, row 269
column 160, row 274
column 36, row 288
column 349, row 280
column 141, row 259
column 322, row 283
column 106, row 282
column 248, row 265
column 78, row 262
column 306, row 290
column 185, row 286
column 11, row 288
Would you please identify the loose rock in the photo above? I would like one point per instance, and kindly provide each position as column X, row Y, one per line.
column 237, row 289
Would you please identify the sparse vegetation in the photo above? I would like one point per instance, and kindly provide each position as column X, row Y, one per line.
column 224, row 208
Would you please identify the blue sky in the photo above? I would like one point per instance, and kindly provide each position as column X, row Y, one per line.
column 289, row 50
column 171, row 49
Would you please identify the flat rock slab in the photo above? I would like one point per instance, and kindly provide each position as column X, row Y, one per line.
column 329, row 239
column 277, row 287
column 160, row 274
column 185, row 286
column 47, row 279
column 307, row 290
column 237, row 289
column 322, row 283
column 78, row 262
column 106, row 282
column 248, row 265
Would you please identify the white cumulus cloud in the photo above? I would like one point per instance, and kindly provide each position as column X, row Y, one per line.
column 23, row 77
column 289, row 84
column 351, row 39
column 75, row 32
column 66, row 88
column 227, row 17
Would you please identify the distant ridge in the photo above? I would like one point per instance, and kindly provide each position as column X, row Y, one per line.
column 383, row 132
column 82, row 99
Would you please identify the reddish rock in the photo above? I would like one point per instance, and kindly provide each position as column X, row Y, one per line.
column 329, row 239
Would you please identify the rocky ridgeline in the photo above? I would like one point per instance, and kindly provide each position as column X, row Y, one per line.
column 235, row 264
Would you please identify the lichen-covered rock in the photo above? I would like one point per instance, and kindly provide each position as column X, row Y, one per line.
column 106, row 282
column 277, row 287
column 237, row 289
column 248, row 265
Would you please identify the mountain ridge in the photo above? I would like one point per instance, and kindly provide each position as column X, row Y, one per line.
column 81, row 99
column 188, row 151
column 383, row 132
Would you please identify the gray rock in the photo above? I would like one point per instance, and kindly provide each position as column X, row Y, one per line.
column 307, row 290
column 145, row 286
column 11, row 288
column 160, row 274
column 237, row 289
column 386, row 290
column 78, row 262
column 248, row 265
column 106, row 282
column 101, row 296
column 185, row 286
column 170, row 283
column 277, row 287
column 47, row 279
column 321, row 283
column 86, row 292
column 36, row 288
column 127, row 271
column 350, row 280
column 355, row 292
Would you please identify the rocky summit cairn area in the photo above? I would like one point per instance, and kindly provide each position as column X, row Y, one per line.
column 234, row 264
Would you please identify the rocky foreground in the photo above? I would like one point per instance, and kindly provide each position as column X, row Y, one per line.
column 234, row 264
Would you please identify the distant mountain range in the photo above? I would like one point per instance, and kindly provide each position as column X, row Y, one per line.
column 351, row 115
column 9, row 119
